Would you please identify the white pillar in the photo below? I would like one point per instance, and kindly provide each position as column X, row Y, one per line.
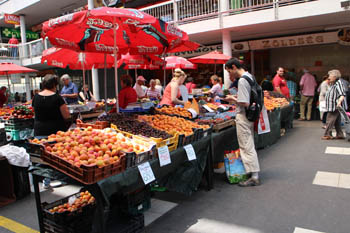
column 175, row 11
column 90, row 4
column 27, row 82
column 227, row 50
column 95, row 85
column 224, row 5
column 252, row 63
column 23, row 34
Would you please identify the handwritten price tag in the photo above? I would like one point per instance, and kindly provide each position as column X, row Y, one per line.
column 146, row 172
column 164, row 156
column 191, row 155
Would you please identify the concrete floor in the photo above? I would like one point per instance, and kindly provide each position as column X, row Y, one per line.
column 286, row 200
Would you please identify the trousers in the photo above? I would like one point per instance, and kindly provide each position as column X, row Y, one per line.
column 334, row 120
column 245, row 135
column 306, row 100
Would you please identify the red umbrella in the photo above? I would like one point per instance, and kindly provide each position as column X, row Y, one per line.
column 75, row 60
column 174, row 62
column 128, row 61
column 137, row 32
column 214, row 57
column 11, row 68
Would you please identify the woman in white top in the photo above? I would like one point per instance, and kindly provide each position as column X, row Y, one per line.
column 159, row 87
column 322, row 99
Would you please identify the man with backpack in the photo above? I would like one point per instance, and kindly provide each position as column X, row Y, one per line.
column 249, row 102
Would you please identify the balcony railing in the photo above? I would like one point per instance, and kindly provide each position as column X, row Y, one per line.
column 185, row 11
column 23, row 51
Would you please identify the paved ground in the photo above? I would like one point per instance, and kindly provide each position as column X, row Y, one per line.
column 286, row 202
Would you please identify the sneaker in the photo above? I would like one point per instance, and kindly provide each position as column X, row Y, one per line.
column 249, row 182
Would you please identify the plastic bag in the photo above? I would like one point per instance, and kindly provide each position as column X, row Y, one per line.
column 234, row 167
column 15, row 155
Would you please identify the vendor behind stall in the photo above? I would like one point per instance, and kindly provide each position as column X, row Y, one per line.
column 127, row 94
column 86, row 95
column 3, row 96
column 139, row 87
column 216, row 90
column 153, row 93
column 50, row 109
column 70, row 91
column 172, row 93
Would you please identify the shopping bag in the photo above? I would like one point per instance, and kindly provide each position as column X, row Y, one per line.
column 234, row 167
column 264, row 123
column 322, row 106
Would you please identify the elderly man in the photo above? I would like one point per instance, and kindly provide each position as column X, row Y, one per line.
column 70, row 91
column 307, row 89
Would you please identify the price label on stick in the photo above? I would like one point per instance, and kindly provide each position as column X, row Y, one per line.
column 164, row 156
column 191, row 155
column 146, row 172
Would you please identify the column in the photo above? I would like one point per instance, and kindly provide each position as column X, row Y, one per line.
column 94, row 73
column 28, row 90
column 252, row 63
column 95, row 84
column 175, row 11
column 227, row 50
column 224, row 5
column 23, row 35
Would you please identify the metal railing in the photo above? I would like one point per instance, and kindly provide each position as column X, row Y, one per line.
column 9, row 51
column 185, row 11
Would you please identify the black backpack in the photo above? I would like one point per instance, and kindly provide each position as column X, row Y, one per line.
column 256, row 100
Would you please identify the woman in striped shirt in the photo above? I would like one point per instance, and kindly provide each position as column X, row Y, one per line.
column 152, row 92
column 335, row 98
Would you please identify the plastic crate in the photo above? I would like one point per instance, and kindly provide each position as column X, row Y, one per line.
column 85, row 174
column 136, row 202
column 82, row 225
column 133, row 159
column 67, row 217
column 96, row 125
column 185, row 140
column 16, row 135
column 20, row 181
column 14, row 121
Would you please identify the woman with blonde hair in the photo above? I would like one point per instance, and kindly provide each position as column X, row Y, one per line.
column 335, row 98
column 159, row 87
column 172, row 93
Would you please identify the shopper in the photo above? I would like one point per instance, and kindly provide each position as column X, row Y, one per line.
column 14, row 46
column 280, row 83
column 140, row 81
column 172, row 93
column 216, row 89
column 335, row 98
column 245, row 128
column 152, row 92
column 50, row 109
column 70, row 91
column 86, row 95
column 307, row 89
column 292, row 86
column 322, row 100
column 17, row 97
column 4, row 95
column 266, row 84
column 127, row 94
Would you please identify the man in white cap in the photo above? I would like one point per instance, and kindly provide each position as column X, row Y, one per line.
column 140, row 81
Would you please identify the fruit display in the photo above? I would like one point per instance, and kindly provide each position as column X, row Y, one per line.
column 20, row 112
column 90, row 147
column 177, row 111
column 5, row 111
column 131, row 125
column 272, row 102
column 216, row 118
column 171, row 124
column 82, row 199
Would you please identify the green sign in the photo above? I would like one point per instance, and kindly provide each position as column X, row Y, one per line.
column 7, row 33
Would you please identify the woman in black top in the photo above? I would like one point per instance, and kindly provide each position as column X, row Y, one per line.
column 50, row 109
column 86, row 95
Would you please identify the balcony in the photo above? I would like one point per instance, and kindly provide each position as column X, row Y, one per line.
column 189, row 11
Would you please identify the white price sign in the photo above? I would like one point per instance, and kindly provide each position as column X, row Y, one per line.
column 164, row 156
column 146, row 172
column 191, row 155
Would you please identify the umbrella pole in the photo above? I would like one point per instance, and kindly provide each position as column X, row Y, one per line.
column 84, row 81
column 105, row 82
column 215, row 68
column 164, row 70
column 115, row 64
column 8, row 82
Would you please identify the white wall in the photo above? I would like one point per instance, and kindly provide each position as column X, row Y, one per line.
column 332, row 56
column 13, row 6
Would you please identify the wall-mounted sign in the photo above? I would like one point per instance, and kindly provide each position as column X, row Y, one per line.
column 236, row 48
column 292, row 41
column 8, row 32
column 12, row 19
column 344, row 36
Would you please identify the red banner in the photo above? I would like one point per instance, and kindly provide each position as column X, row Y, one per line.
column 12, row 19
